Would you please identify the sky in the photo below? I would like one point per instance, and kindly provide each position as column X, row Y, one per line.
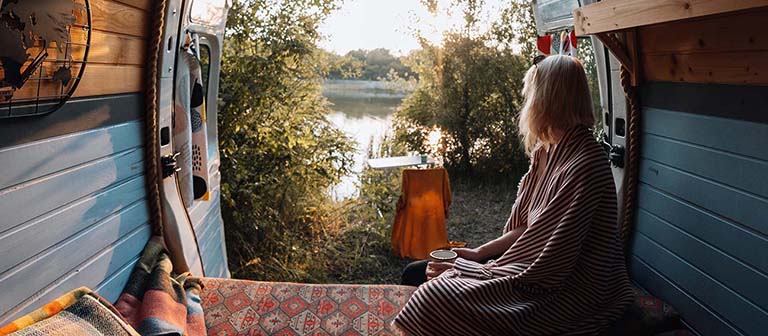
column 370, row 24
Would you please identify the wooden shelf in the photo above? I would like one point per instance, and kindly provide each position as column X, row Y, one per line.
column 614, row 15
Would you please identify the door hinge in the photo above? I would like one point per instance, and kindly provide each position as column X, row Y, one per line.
column 169, row 164
column 615, row 152
column 616, row 156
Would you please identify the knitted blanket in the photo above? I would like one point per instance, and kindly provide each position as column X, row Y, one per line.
column 80, row 312
column 155, row 302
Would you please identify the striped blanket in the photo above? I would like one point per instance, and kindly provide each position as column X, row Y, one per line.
column 157, row 303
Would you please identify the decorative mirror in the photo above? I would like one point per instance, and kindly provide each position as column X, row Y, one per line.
column 43, row 56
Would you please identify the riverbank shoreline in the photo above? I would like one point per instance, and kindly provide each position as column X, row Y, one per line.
column 477, row 215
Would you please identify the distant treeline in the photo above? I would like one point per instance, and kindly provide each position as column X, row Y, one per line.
column 374, row 65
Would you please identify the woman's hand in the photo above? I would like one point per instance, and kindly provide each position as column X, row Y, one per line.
column 469, row 253
column 435, row 268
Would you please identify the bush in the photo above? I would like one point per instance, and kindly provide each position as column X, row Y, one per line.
column 279, row 153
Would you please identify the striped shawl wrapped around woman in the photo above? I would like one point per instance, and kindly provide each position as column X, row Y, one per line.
column 565, row 275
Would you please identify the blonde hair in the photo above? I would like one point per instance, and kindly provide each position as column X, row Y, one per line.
column 556, row 97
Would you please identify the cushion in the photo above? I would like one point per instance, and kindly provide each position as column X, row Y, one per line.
column 80, row 312
column 648, row 315
column 277, row 308
column 679, row 332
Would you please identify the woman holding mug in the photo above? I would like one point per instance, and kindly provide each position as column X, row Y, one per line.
column 559, row 267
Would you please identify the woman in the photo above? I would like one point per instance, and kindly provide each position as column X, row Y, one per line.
column 561, row 265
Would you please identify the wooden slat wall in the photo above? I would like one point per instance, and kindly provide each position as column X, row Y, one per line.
column 614, row 15
column 74, row 214
column 118, row 47
column 72, row 196
column 701, row 232
column 117, row 51
column 724, row 49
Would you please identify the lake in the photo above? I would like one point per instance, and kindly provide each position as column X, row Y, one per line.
column 363, row 110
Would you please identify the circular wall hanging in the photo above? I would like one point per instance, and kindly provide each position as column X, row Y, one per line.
column 45, row 50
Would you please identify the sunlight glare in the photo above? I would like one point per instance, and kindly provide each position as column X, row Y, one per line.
column 392, row 24
column 209, row 12
column 433, row 26
column 433, row 139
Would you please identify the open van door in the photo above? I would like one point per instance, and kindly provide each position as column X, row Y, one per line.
column 190, row 191
column 203, row 31
column 555, row 16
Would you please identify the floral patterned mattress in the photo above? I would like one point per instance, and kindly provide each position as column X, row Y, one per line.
column 240, row 307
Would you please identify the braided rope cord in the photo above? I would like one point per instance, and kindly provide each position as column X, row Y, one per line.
column 633, row 155
column 154, row 175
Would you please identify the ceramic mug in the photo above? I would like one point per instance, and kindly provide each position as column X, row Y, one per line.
column 443, row 255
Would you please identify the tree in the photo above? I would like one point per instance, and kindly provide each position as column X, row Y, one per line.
column 279, row 153
column 342, row 67
column 516, row 28
column 469, row 89
column 377, row 64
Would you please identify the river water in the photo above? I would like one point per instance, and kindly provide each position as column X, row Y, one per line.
column 363, row 110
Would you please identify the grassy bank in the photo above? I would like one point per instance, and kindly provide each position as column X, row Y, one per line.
column 361, row 252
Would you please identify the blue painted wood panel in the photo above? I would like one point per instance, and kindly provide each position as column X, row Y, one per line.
column 717, row 231
column 24, row 280
column 714, row 294
column 694, row 311
column 112, row 287
column 701, row 238
column 33, row 160
column 73, row 213
column 737, row 171
column 107, row 263
column 718, row 264
column 77, row 115
column 36, row 235
column 743, row 208
column 735, row 136
column 48, row 192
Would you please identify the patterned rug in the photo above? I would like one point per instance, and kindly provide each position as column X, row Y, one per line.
column 239, row 307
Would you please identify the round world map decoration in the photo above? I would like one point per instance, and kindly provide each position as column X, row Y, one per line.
column 44, row 52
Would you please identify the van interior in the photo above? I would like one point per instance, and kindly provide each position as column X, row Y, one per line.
column 97, row 160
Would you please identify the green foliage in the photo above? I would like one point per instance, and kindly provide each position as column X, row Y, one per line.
column 469, row 89
column 586, row 54
column 362, row 252
column 279, row 153
column 516, row 28
column 342, row 67
column 376, row 64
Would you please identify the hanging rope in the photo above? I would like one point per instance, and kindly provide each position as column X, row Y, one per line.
column 152, row 157
column 633, row 155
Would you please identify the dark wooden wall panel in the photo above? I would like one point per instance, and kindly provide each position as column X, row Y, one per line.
column 722, row 49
